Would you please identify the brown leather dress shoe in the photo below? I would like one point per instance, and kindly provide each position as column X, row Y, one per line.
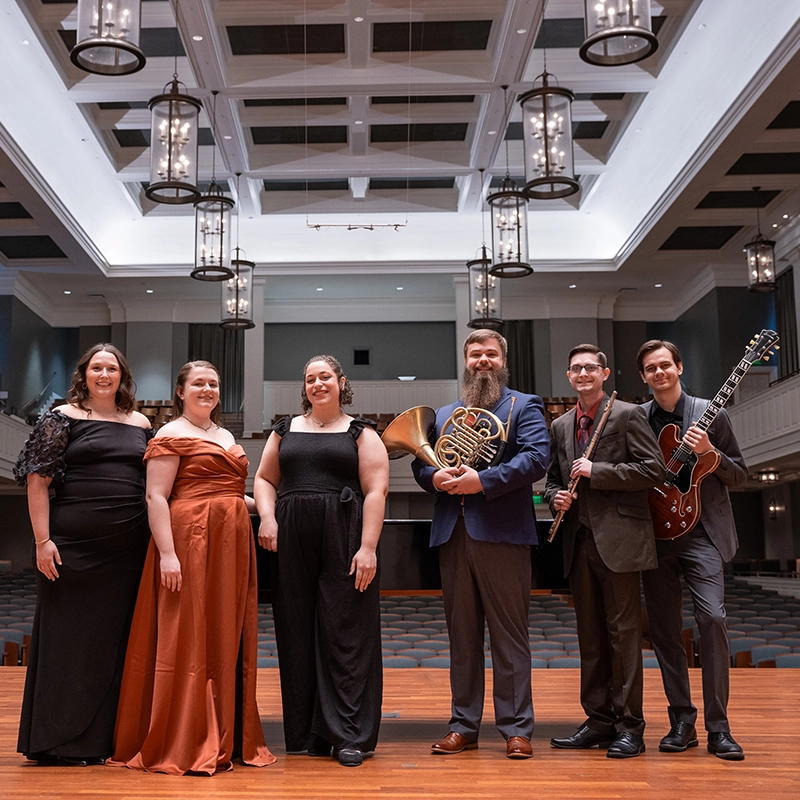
column 452, row 743
column 518, row 747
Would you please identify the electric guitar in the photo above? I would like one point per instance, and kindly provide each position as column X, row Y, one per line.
column 675, row 505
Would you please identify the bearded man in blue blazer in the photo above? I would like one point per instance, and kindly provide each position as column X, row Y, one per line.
column 484, row 525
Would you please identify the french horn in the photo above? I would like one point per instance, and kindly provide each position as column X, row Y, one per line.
column 471, row 437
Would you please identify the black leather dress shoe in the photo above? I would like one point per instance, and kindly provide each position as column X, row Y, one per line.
column 723, row 745
column 584, row 738
column 350, row 757
column 626, row 745
column 682, row 736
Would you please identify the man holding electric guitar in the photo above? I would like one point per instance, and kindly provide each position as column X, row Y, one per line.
column 696, row 536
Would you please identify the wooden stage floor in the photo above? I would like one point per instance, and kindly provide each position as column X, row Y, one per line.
column 763, row 711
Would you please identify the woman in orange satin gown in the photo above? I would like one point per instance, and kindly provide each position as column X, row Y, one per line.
column 188, row 697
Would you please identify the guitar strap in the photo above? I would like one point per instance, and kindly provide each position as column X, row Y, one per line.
column 697, row 408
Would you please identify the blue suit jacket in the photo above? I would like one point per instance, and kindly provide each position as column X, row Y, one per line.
column 503, row 512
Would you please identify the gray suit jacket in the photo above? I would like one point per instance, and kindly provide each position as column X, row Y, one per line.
column 716, row 514
column 626, row 463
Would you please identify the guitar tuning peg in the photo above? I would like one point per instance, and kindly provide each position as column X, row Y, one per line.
column 766, row 358
column 777, row 347
column 752, row 342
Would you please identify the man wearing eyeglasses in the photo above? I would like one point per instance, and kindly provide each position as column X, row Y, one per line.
column 608, row 540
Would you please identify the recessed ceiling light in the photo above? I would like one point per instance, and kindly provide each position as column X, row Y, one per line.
column 774, row 224
column 358, row 19
column 522, row 30
column 149, row 291
column 492, row 133
column 67, row 291
column 227, row 136
column 319, row 288
column 573, row 286
column 701, row 27
column 657, row 285
column 786, row 216
column 197, row 38
column 25, row 41
column 359, row 122
column 399, row 288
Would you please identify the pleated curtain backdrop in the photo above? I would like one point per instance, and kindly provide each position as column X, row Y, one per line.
column 225, row 350
column 519, row 334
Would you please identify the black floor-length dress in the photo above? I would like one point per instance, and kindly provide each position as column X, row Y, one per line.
column 327, row 632
column 98, row 521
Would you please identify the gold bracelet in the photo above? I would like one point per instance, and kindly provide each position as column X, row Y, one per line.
column 44, row 541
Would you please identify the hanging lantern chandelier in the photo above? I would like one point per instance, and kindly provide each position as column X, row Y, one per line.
column 484, row 294
column 237, row 291
column 618, row 32
column 547, row 141
column 212, row 217
column 760, row 254
column 508, row 211
column 108, row 37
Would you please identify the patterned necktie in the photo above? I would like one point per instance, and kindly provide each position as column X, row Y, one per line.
column 584, row 423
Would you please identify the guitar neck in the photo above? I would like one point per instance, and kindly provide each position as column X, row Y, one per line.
column 722, row 396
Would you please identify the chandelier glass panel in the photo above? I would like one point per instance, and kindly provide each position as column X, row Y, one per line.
column 547, row 142
column 618, row 32
column 484, row 294
column 212, row 242
column 509, row 215
column 760, row 254
column 237, row 295
column 108, row 37
column 174, row 141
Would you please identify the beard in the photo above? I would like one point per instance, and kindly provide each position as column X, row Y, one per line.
column 483, row 389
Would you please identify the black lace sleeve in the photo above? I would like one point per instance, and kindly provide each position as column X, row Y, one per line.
column 358, row 425
column 281, row 427
column 43, row 452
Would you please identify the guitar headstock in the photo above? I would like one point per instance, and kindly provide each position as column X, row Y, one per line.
column 759, row 348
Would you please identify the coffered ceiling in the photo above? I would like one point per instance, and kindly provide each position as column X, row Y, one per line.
column 367, row 134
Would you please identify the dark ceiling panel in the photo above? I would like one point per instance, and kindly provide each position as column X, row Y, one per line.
column 154, row 42
column 767, row 164
column 709, row 237
column 599, row 96
column 393, row 37
column 788, row 118
column 140, row 137
column 591, row 129
column 295, row 101
column 330, row 185
column 411, row 183
column 19, row 247
column 13, row 211
column 571, row 31
column 497, row 180
column 295, row 134
column 422, row 132
column 738, row 199
column 422, row 99
column 282, row 40
column 122, row 106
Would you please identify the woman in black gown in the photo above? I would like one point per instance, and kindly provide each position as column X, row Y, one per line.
column 321, row 489
column 91, row 537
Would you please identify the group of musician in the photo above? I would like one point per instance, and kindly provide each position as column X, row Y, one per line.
column 602, row 462
column 182, row 699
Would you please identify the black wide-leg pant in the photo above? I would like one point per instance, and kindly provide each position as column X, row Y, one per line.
column 328, row 633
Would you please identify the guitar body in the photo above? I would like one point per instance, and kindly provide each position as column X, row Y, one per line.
column 676, row 507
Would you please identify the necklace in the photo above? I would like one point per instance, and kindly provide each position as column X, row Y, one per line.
column 199, row 427
column 325, row 424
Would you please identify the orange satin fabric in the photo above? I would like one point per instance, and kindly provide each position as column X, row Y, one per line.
column 179, row 708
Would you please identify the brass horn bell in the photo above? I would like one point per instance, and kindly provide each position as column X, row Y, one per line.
column 409, row 432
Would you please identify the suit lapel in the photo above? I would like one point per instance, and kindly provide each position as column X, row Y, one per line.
column 569, row 424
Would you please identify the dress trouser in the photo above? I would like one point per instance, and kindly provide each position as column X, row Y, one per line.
column 695, row 557
column 609, row 619
column 328, row 633
column 488, row 581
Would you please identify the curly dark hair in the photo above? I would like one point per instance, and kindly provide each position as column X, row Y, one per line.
column 346, row 392
column 180, row 383
column 126, row 394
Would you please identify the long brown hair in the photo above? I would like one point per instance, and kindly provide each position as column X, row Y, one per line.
column 180, row 383
column 78, row 394
column 345, row 392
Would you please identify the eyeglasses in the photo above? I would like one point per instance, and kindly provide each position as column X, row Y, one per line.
column 575, row 369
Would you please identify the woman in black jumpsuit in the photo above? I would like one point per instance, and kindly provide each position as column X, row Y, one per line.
column 321, row 489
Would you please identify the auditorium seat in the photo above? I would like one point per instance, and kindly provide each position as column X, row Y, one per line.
column 538, row 663
column 740, row 650
column 766, row 652
column 440, row 662
column 791, row 660
column 564, row 662
column 401, row 662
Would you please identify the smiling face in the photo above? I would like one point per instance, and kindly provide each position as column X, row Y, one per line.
column 103, row 376
column 659, row 370
column 588, row 381
column 323, row 388
column 485, row 356
column 200, row 391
